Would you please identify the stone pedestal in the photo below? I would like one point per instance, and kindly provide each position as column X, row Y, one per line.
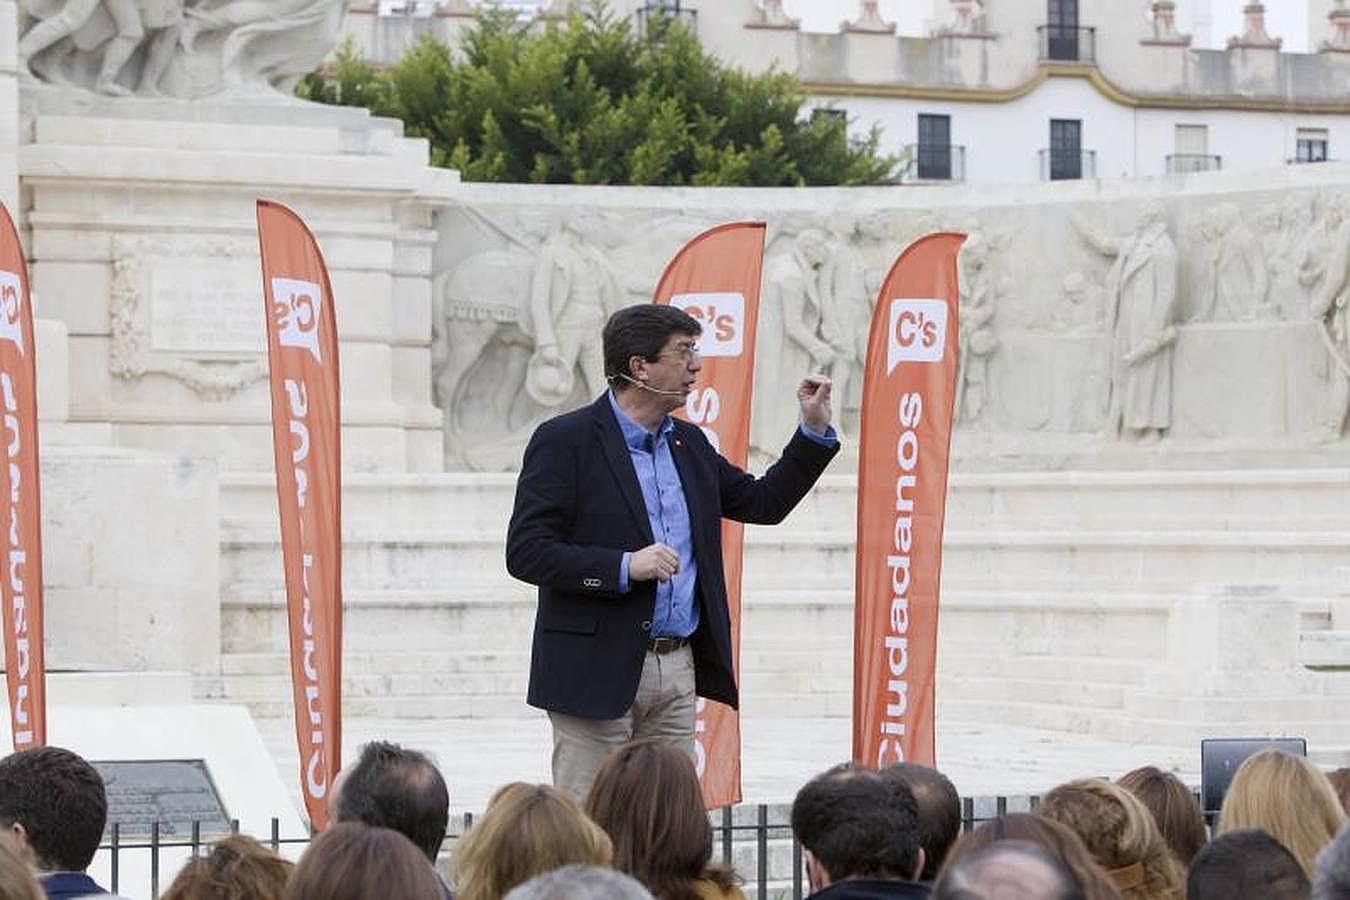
column 143, row 242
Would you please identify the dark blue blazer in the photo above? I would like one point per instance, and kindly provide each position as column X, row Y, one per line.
column 579, row 507
column 63, row 885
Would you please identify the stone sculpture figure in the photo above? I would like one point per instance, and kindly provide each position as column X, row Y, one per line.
column 1329, row 309
column 267, row 41
column 572, row 292
column 110, row 29
column 1288, row 237
column 1141, row 292
column 790, row 321
column 977, row 338
column 1236, row 278
column 846, row 309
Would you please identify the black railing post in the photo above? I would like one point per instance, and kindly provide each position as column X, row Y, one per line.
column 762, row 849
column 196, row 838
column 276, row 834
column 796, row 869
column 154, row 859
column 967, row 814
column 115, row 848
column 726, row 835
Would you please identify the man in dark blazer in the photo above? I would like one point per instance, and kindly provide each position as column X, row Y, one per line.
column 617, row 520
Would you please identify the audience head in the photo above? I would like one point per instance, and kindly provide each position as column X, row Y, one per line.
column 527, row 829
column 1007, row 870
column 647, row 798
column 1174, row 808
column 1052, row 837
column 1121, row 836
column 54, row 802
column 351, row 861
column 580, row 883
column 939, row 811
column 16, row 876
column 1246, row 865
column 237, row 868
column 1286, row 796
column 1331, row 873
column 1340, row 783
column 854, row 824
column 391, row 787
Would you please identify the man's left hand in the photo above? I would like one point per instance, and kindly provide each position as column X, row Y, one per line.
column 814, row 396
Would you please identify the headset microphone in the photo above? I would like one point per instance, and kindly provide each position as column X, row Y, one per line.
column 642, row 385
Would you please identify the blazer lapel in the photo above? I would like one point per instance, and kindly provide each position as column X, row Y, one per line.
column 695, row 494
column 615, row 451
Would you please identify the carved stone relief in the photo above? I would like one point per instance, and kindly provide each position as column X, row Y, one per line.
column 178, row 48
column 189, row 310
column 1208, row 318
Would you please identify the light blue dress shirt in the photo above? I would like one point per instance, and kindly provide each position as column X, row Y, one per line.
column 676, row 612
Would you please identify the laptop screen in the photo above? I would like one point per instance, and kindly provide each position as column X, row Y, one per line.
column 1221, row 757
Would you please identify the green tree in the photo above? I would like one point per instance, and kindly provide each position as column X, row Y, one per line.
column 591, row 102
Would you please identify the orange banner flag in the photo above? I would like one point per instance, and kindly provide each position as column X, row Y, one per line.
column 302, row 352
column 715, row 278
column 21, row 583
column 908, row 392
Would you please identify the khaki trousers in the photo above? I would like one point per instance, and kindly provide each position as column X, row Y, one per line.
column 663, row 710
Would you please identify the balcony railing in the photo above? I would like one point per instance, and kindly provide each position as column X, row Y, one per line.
column 1067, row 165
column 1189, row 163
column 934, row 162
column 1068, row 43
column 654, row 18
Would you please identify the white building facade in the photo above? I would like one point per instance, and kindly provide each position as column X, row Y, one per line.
column 1015, row 91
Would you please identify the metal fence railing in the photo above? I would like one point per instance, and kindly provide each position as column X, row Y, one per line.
column 1189, row 163
column 1067, row 43
column 756, row 839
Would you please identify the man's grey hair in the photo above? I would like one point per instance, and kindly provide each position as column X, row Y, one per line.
column 1331, row 872
column 580, row 883
column 1010, row 866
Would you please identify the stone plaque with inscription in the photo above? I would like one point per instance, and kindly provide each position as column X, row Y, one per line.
column 173, row 792
column 206, row 306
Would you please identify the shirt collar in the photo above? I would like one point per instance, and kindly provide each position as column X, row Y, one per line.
column 634, row 435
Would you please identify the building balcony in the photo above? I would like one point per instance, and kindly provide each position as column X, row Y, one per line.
column 655, row 17
column 1067, row 44
column 1068, row 165
column 1189, row 163
column 934, row 163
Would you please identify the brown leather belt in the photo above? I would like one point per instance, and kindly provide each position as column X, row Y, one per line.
column 663, row 645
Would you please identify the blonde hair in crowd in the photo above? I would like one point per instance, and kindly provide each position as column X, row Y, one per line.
column 1119, row 832
column 527, row 829
column 1286, row 796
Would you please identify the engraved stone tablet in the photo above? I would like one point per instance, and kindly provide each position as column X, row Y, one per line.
column 206, row 306
column 173, row 792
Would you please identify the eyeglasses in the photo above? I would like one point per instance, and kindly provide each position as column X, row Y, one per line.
column 684, row 353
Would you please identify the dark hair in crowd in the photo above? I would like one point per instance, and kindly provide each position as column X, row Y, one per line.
column 1247, row 864
column 939, row 811
column 1052, row 837
column 1331, row 872
column 60, row 801
column 858, row 825
column 1340, row 783
column 237, row 868
column 1174, row 809
column 975, row 874
column 392, row 787
column 646, row 797
column 641, row 330
column 351, row 861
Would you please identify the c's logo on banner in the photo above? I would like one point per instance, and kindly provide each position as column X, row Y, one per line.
column 295, row 312
column 11, row 305
column 722, row 316
column 918, row 332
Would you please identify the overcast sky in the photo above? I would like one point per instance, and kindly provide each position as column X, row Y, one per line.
column 1284, row 18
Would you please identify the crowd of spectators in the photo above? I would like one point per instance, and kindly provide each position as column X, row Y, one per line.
column 642, row 833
